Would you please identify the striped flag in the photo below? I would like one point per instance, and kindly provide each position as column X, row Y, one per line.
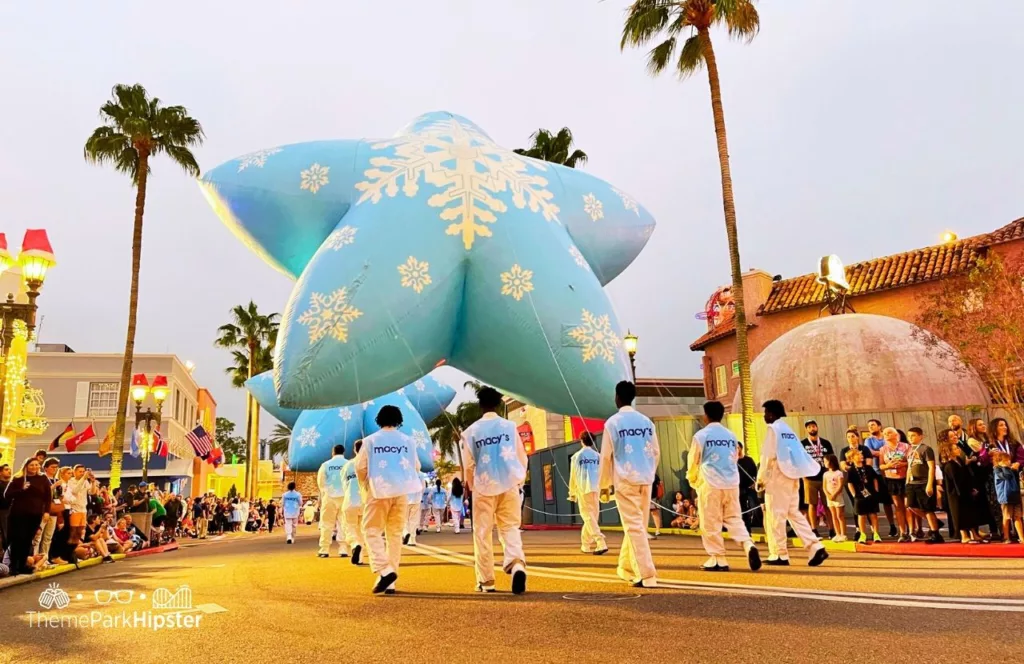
column 200, row 441
column 62, row 437
column 159, row 444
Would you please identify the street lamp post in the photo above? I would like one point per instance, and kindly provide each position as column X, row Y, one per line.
column 35, row 260
column 144, row 420
column 630, row 342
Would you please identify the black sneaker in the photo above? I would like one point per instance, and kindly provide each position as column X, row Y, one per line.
column 831, row 533
column 384, row 582
column 820, row 556
column 356, row 551
column 754, row 559
column 714, row 568
column 405, row 538
column 107, row 559
column 601, row 552
column 902, row 539
column 893, row 532
column 777, row 562
column 481, row 588
column 935, row 538
column 390, row 591
column 519, row 581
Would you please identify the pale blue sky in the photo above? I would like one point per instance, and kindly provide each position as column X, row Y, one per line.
column 852, row 131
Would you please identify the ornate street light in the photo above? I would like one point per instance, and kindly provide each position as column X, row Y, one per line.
column 144, row 420
column 630, row 342
column 35, row 259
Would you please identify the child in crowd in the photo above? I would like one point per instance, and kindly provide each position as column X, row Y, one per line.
column 678, row 508
column 833, row 482
column 1008, row 492
column 862, row 483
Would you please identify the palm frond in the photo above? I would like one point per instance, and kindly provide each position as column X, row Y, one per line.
column 691, row 57
column 659, row 56
column 743, row 20
column 644, row 19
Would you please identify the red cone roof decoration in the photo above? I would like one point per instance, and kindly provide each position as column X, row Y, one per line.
column 36, row 243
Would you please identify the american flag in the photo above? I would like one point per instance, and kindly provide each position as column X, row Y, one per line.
column 200, row 441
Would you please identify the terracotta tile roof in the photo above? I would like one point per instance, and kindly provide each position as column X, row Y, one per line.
column 722, row 331
column 880, row 274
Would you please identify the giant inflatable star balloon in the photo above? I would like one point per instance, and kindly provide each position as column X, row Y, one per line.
column 316, row 432
column 437, row 246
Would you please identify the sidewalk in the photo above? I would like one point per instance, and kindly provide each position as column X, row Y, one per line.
column 91, row 562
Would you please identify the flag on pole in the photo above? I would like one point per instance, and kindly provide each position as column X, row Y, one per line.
column 135, row 451
column 107, row 444
column 200, row 441
column 159, row 444
column 216, row 457
column 86, row 435
column 62, row 437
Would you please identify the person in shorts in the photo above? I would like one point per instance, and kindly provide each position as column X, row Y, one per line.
column 863, row 484
column 874, row 442
column 921, row 484
column 893, row 464
column 1008, row 493
column 832, row 482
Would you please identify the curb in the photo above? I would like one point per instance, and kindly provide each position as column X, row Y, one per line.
column 552, row 526
column 945, row 550
column 92, row 562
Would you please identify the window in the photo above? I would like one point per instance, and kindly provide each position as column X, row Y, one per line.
column 735, row 368
column 103, row 399
column 721, row 382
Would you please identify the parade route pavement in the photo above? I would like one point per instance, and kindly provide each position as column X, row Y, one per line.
column 253, row 598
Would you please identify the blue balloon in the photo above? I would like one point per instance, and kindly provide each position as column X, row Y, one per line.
column 316, row 432
column 437, row 246
column 261, row 387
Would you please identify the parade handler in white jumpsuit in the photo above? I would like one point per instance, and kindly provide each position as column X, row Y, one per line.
column 584, row 490
column 783, row 462
column 413, row 516
column 714, row 475
column 629, row 457
column 332, row 494
column 495, row 462
column 291, row 505
column 387, row 467
column 352, row 507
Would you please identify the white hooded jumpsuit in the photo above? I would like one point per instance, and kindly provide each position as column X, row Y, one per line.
column 584, row 489
column 332, row 494
column 783, row 462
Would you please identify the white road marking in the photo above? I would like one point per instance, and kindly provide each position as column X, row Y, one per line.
column 879, row 599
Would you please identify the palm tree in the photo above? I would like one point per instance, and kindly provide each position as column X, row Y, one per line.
column 649, row 20
column 251, row 337
column 135, row 128
column 279, row 440
column 554, row 148
column 446, row 429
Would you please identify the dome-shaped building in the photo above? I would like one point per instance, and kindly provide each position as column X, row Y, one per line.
column 859, row 362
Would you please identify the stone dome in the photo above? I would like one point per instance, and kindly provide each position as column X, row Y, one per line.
column 859, row 362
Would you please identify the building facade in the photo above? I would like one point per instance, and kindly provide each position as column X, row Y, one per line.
column 82, row 389
column 897, row 286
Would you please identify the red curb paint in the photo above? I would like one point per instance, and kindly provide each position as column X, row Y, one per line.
column 156, row 549
column 949, row 550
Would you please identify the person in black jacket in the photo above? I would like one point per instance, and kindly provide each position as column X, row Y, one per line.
column 748, row 495
column 29, row 498
column 961, row 490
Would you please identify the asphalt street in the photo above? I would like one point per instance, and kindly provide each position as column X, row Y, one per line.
column 256, row 599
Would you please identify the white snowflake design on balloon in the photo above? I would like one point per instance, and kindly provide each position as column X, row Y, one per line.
column 594, row 334
column 345, row 413
column 307, row 437
column 420, row 438
column 516, row 282
column 420, row 385
column 578, row 257
column 466, row 168
column 367, row 404
column 593, row 207
column 628, row 201
column 257, row 159
column 401, row 391
column 329, row 315
column 415, row 274
column 344, row 236
column 314, row 177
